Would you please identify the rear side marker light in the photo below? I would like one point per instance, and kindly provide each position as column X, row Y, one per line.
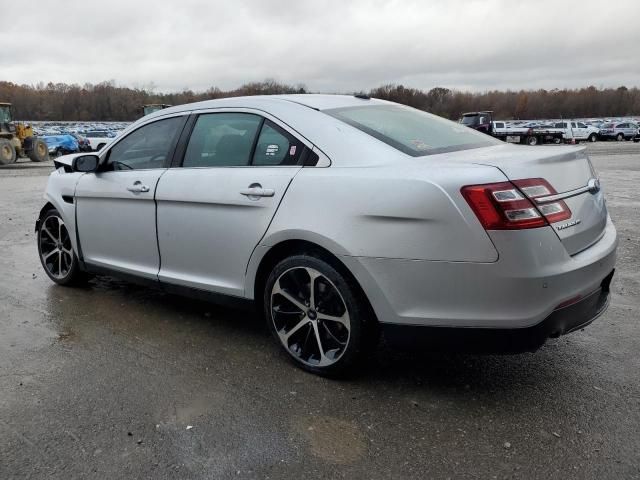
column 569, row 302
column 510, row 205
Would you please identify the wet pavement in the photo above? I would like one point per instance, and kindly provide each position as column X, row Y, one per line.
column 118, row 381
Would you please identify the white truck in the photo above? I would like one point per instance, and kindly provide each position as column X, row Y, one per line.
column 524, row 134
column 578, row 131
column 528, row 134
column 98, row 139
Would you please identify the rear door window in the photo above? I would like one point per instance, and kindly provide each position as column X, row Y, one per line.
column 222, row 140
column 276, row 147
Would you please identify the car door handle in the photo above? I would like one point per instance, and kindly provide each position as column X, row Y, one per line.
column 138, row 187
column 256, row 192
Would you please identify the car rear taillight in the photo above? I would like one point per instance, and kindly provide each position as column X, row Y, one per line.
column 510, row 205
column 534, row 188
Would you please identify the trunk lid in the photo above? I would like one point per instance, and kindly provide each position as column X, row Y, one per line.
column 569, row 172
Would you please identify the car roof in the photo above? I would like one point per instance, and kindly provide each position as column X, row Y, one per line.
column 303, row 114
column 314, row 101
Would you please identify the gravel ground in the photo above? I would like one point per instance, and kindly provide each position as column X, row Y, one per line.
column 116, row 381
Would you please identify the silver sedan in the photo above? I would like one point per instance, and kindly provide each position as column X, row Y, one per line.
column 340, row 217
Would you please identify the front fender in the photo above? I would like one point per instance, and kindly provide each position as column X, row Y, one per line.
column 60, row 194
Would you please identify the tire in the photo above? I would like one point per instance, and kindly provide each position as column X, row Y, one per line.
column 620, row 137
column 593, row 138
column 56, row 253
column 39, row 151
column 557, row 140
column 7, row 152
column 532, row 140
column 327, row 334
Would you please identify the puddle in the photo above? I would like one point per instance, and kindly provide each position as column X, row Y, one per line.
column 332, row 439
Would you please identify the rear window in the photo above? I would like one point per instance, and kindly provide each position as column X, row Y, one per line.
column 412, row 131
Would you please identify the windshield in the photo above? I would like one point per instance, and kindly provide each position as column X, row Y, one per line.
column 5, row 114
column 411, row 131
column 470, row 120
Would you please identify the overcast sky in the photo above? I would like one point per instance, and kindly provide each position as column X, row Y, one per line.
column 329, row 46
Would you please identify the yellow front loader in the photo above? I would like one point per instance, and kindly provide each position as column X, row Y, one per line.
column 17, row 139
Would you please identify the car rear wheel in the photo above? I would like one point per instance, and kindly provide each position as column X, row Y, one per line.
column 56, row 253
column 620, row 137
column 7, row 152
column 317, row 315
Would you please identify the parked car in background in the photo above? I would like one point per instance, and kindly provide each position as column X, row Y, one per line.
column 341, row 216
column 637, row 137
column 577, row 130
column 61, row 144
column 98, row 139
column 83, row 143
column 619, row 131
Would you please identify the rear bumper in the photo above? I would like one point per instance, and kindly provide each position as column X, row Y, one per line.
column 532, row 278
column 503, row 340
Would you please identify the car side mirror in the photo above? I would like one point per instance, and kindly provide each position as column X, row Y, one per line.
column 85, row 163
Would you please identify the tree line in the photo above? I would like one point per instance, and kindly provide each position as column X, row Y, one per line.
column 108, row 102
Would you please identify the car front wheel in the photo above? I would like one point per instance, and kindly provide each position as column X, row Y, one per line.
column 317, row 315
column 56, row 253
